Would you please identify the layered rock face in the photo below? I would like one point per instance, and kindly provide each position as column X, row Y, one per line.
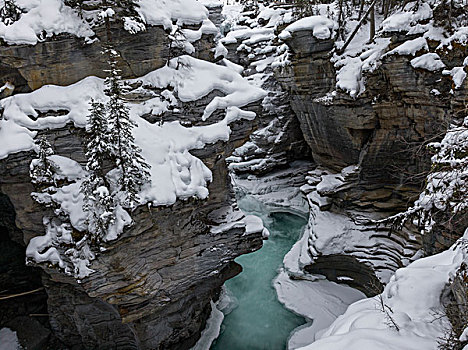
column 151, row 288
column 382, row 132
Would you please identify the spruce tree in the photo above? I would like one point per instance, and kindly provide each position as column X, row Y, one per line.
column 97, row 139
column 134, row 169
column 10, row 12
column 42, row 169
column 99, row 203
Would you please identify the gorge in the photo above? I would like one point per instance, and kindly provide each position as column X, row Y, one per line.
column 253, row 123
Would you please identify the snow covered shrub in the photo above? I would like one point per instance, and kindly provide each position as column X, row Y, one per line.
column 42, row 169
column 10, row 12
column 444, row 200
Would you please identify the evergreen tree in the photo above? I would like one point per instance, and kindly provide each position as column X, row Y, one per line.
column 99, row 203
column 97, row 139
column 134, row 169
column 10, row 12
column 42, row 169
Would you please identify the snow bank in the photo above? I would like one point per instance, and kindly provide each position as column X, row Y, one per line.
column 53, row 17
column 410, row 47
column 320, row 301
column 164, row 12
column 408, row 18
column 199, row 78
column 408, row 317
column 321, row 27
column 49, row 16
column 429, row 61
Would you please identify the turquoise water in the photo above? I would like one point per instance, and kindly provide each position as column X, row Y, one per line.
column 260, row 322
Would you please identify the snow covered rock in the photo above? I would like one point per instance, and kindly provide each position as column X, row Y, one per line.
column 407, row 315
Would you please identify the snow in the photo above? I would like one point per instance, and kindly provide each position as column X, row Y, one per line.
column 321, row 27
column 50, row 16
column 359, row 58
column 429, row 61
column 412, row 317
column 407, row 19
column 320, row 301
column 199, row 78
column 9, row 340
column 458, row 75
column 410, row 47
column 164, row 12
column 15, row 138
column 245, row 33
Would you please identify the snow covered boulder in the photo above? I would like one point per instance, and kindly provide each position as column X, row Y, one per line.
column 309, row 34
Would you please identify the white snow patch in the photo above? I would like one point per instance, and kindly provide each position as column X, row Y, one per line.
column 429, row 61
column 321, row 27
column 49, row 16
column 9, row 340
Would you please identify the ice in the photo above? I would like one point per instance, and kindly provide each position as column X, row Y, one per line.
column 212, row 329
column 9, row 340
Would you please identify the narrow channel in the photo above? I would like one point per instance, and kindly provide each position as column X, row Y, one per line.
column 259, row 321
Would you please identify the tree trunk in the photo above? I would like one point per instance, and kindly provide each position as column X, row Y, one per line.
column 372, row 24
column 361, row 9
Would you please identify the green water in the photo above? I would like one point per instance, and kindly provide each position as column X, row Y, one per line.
column 260, row 322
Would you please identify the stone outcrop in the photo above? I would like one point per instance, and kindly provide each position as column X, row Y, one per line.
column 66, row 59
column 383, row 132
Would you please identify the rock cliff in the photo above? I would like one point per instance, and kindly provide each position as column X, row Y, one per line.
column 151, row 288
column 382, row 132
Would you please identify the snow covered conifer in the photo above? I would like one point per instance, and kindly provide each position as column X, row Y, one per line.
column 97, row 139
column 134, row 170
column 42, row 169
column 10, row 12
column 100, row 207
column 99, row 203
